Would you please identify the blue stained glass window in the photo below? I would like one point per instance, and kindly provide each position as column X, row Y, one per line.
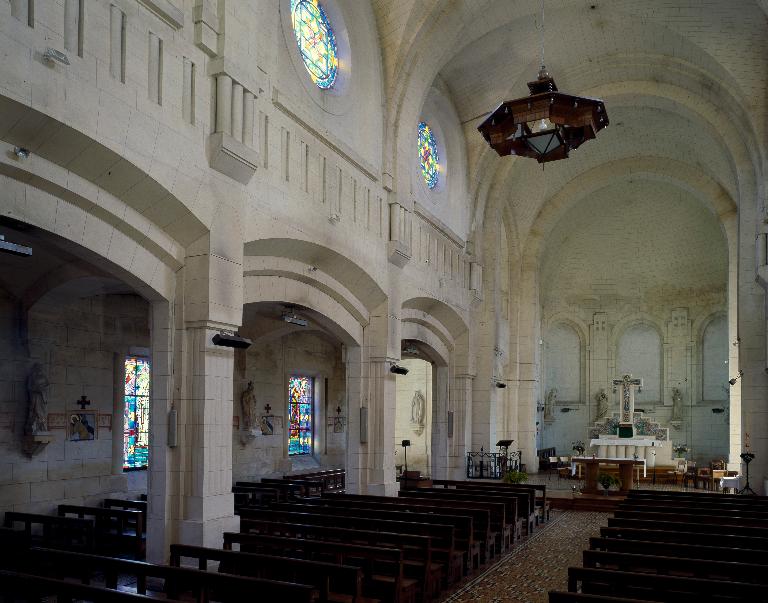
column 316, row 40
column 136, row 414
column 428, row 157
column 300, row 415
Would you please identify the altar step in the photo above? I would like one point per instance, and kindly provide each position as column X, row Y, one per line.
column 583, row 502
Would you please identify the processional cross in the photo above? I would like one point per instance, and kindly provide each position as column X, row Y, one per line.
column 627, row 403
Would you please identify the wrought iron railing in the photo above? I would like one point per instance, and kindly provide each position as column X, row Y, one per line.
column 491, row 465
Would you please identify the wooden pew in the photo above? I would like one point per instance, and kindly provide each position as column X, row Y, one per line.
column 686, row 551
column 250, row 495
column 333, row 479
column 417, row 549
column 504, row 516
column 29, row 588
column 536, row 488
column 114, row 528
column 462, row 524
column 675, row 515
column 481, row 518
column 177, row 581
column 693, row 508
column 443, row 534
column 308, row 487
column 713, row 529
column 287, row 490
column 57, row 532
column 674, row 534
column 520, row 500
column 661, row 588
column 699, row 494
column 329, row 579
column 533, row 516
column 556, row 596
column 382, row 566
column 136, row 505
column 742, row 503
column 677, row 566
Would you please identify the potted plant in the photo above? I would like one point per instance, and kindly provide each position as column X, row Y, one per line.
column 606, row 480
column 680, row 450
column 515, row 477
column 578, row 447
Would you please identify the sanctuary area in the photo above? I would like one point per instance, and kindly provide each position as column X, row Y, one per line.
column 383, row 300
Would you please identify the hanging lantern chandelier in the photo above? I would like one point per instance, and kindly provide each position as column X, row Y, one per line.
column 546, row 125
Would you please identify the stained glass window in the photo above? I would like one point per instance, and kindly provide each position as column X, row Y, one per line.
column 317, row 43
column 428, row 155
column 136, row 418
column 300, row 415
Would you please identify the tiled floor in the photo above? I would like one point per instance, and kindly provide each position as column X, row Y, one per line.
column 539, row 564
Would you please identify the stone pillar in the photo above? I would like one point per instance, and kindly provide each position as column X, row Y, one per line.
column 440, row 448
column 381, row 428
column 461, row 437
column 224, row 104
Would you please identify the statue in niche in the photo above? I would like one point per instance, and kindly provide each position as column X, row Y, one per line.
column 37, row 413
column 418, row 411
column 549, row 404
column 677, row 404
column 247, row 402
column 602, row 404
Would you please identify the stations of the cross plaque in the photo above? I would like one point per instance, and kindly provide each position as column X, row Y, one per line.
column 627, row 403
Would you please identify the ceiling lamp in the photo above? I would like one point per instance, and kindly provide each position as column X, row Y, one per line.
column 546, row 125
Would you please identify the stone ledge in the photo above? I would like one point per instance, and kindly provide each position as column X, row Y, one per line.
column 232, row 158
column 165, row 9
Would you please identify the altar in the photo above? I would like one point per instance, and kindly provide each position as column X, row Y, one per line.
column 592, row 466
column 628, row 448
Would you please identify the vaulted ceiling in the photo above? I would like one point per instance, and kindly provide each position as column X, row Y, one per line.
column 685, row 85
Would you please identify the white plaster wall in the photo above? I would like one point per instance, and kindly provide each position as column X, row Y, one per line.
column 419, row 378
column 566, row 428
column 268, row 364
column 715, row 360
column 562, row 359
column 81, row 344
column 639, row 354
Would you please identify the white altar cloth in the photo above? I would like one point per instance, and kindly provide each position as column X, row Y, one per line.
column 731, row 482
column 624, row 442
column 576, row 459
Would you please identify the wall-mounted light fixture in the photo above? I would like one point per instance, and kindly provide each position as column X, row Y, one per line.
column 733, row 380
column 21, row 153
column 52, row 55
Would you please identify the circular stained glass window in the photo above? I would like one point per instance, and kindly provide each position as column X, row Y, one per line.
column 317, row 44
column 428, row 155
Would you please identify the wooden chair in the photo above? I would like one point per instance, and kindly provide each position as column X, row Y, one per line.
column 704, row 478
column 689, row 477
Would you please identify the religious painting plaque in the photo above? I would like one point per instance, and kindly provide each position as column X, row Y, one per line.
column 82, row 426
column 267, row 424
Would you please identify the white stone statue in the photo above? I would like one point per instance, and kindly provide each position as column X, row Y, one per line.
column 677, row 405
column 549, row 404
column 602, row 404
column 418, row 411
column 247, row 402
column 37, row 413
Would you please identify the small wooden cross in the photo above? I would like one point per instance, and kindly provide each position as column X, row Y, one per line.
column 83, row 402
column 268, row 408
column 338, row 410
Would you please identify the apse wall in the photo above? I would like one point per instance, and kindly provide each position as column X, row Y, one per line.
column 81, row 345
column 641, row 289
column 259, row 453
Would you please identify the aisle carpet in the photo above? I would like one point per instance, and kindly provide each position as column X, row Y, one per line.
column 537, row 565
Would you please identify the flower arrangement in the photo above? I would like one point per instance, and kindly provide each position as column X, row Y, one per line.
column 679, row 449
column 607, row 480
column 578, row 447
column 515, row 477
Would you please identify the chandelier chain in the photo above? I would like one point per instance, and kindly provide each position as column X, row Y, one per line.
column 542, row 34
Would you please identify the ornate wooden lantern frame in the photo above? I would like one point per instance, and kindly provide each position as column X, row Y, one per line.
column 546, row 125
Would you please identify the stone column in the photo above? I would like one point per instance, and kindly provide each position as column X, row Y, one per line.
column 461, row 438
column 440, row 448
column 598, row 377
column 381, row 428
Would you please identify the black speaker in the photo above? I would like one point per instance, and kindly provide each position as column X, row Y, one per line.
column 398, row 370
column 231, row 341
